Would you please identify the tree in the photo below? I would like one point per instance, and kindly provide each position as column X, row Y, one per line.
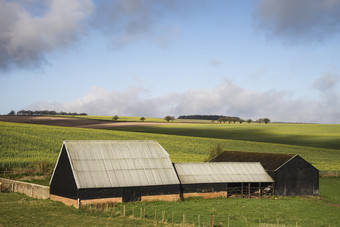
column 217, row 150
column 220, row 120
column 168, row 118
column 249, row 121
column 11, row 113
column 115, row 118
column 234, row 120
column 241, row 121
column 266, row 120
column 213, row 121
column 142, row 119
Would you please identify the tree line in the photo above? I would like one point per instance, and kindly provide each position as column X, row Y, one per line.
column 240, row 120
column 41, row 113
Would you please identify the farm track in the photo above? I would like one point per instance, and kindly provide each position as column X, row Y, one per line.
column 74, row 122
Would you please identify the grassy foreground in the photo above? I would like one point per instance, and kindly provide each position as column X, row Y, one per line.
column 284, row 211
column 20, row 210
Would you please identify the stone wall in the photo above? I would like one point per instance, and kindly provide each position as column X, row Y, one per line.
column 32, row 190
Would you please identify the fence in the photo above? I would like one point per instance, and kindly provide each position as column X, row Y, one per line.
column 32, row 190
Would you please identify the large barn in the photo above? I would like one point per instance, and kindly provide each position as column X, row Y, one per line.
column 113, row 171
column 292, row 174
column 221, row 179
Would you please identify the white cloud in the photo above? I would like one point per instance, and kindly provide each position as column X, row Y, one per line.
column 225, row 99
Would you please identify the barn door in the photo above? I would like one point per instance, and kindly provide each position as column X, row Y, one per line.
column 132, row 194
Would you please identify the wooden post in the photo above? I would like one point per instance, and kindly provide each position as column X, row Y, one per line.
column 212, row 220
column 78, row 203
column 141, row 213
column 198, row 220
column 163, row 215
column 227, row 190
column 155, row 214
column 144, row 212
column 183, row 219
column 242, row 190
column 12, row 187
column 172, row 217
column 249, row 190
column 124, row 210
column 260, row 191
column 0, row 187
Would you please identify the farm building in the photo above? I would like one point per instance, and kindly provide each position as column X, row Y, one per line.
column 113, row 171
column 292, row 174
column 222, row 179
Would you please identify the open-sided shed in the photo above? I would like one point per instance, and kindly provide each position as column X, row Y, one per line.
column 113, row 170
column 292, row 174
column 221, row 179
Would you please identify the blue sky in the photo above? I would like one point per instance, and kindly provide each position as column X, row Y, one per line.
column 252, row 59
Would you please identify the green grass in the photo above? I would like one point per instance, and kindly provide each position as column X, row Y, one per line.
column 23, row 144
column 330, row 189
column 120, row 119
column 309, row 135
column 20, row 210
column 284, row 211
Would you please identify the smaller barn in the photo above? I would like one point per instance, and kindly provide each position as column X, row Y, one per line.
column 113, row 171
column 221, row 179
column 293, row 175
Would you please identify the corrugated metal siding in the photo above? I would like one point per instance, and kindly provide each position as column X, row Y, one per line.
column 228, row 172
column 114, row 163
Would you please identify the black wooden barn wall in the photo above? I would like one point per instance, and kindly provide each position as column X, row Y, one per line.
column 296, row 177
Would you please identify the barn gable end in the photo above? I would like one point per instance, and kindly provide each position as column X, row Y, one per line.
column 296, row 177
column 62, row 181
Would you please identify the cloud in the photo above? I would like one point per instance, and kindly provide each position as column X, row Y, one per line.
column 299, row 21
column 134, row 20
column 215, row 62
column 326, row 82
column 30, row 30
column 226, row 98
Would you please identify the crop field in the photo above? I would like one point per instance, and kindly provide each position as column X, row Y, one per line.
column 23, row 144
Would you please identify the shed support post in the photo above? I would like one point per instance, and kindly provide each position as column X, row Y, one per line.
column 260, row 192
column 249, row 190
column 227, row 190
column 78, row 203
column 242, row 190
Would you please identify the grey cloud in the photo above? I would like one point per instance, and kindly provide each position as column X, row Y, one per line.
column 297, row 21
column 134, row 20
column 27, row 35
column 227, row 99
column 326, row 82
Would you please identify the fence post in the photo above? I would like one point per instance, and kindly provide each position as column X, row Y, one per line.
column 212, row 220
column 0, row 187
column 248, row 190
column 199, row 221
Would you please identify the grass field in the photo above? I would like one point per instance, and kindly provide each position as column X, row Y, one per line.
column 284, row 211
column 20, row 210
column 23, row 144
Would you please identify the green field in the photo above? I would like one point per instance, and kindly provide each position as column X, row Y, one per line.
column 23, row 144
column 283, row 211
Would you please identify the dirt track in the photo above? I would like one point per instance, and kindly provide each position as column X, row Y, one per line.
column 74, row 122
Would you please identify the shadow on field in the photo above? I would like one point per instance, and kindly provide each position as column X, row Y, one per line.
column 255, row 135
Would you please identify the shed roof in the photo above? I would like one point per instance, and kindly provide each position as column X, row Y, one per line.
column 269, row 161
column 117, row 163
column 222, row 172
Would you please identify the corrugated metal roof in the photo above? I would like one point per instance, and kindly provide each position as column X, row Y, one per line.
column 221, row 172
column 119, row 163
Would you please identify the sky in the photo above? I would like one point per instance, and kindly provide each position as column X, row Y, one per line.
column 251, row 59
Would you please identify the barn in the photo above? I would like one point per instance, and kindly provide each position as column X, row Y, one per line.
column 293, row 175
column 113, row 171
column 210, row 180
